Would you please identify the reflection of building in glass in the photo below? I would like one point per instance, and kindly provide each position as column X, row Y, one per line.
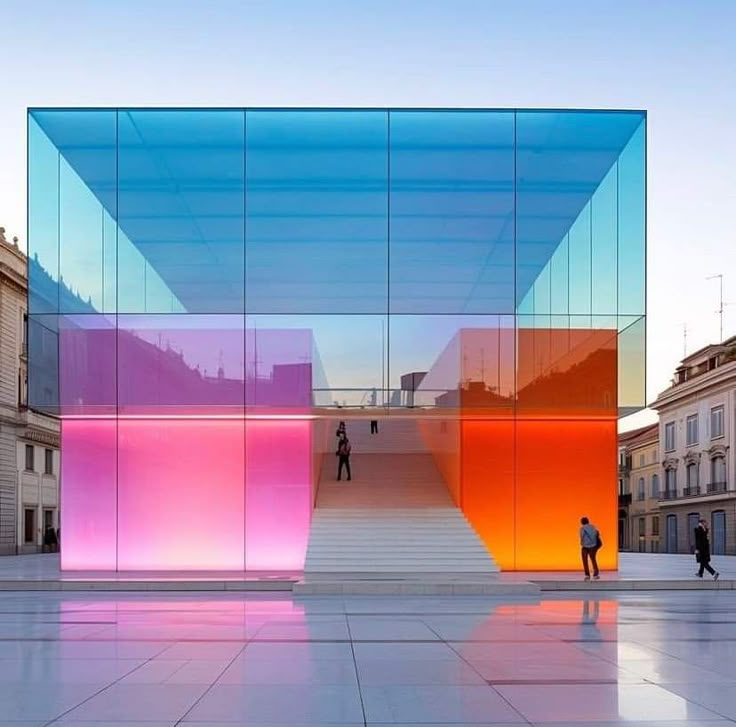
column 209, row 276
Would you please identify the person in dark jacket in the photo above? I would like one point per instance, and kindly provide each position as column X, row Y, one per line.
column 343, row 454
column 702, row 550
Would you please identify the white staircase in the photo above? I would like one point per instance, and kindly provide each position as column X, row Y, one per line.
column 395, row 516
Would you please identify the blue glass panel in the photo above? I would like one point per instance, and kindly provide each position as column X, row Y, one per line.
column 87, row 175
column 543, row 292
column 562, row 158
column 452, row 212
column 560, row 278
column 316, row 211
column 632, row 225
column 579, row 240
column 181, row 208
column 604, row 243
column 352, row 350
column 631, row 364
column 43, row 222
column 43, row 363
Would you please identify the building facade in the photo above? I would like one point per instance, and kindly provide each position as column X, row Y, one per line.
column 640, row 486
column 29, row 441
column 696, row 432
column 235, row 280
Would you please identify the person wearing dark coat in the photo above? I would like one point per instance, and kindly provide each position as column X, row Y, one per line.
column 343, row 453
column 702, row 550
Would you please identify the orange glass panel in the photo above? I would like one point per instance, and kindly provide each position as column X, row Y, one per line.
column 488, row 484
column 565, row 469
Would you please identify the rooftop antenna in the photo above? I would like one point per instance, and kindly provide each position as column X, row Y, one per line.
column 720, row 303
column 684, row 340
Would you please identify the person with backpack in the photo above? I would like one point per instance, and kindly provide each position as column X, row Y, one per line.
column 343, row 454
column 590, row 543
column 702, row 550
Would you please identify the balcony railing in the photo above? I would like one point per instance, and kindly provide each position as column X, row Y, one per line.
column 691, row 491
column 717, row 487
column 669, row 495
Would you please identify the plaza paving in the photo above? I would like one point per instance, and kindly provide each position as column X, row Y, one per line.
column 264, row 660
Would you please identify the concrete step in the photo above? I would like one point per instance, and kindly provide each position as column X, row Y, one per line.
column 410, row 585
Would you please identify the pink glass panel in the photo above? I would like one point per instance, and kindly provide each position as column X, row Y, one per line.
column 180, row 494
column 87, row 368
column 180, row 363
column 278, row 493
column 88, row 495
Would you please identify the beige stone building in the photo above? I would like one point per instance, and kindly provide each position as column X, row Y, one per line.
column 29, row 442
column 639, row 490
column 697, row 429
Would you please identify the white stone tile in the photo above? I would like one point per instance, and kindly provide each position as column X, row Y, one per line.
column 427, row 704
column 279, row 703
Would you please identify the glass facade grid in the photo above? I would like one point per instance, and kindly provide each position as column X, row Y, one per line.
column 251, row 263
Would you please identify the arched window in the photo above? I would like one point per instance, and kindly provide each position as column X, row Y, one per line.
column 655, row 485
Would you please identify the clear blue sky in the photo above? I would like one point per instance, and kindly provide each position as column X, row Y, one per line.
column 675, row 58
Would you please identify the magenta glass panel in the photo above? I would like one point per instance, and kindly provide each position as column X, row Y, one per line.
column 180, row 363
column 87, row 369
column 278, row 493
column 180, row 494
column 88, row 494
column 279, row 368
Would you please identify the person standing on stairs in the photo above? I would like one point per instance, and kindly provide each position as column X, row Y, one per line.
column 373, row 403
column 343, row 455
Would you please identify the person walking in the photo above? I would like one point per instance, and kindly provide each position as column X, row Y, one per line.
column 590, row 543
column 702, row 550
column 343, row 455
column 374, row 426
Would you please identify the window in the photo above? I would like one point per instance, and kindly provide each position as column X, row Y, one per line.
column 654, row 546
column 718, row 532
column 49, row 462
column 672, row 533
column 30, row 458
column 669, row 437
column 655, row 485
column 654, row 456
column 692, row 477
column 29, row 526
column 670, row 481
column 655, row 525
column 692, row 522
column 718, row 474
column 48, row 519
column 641, row 460
column 642, row 534
column 692, row 430
column 641, row 491
column 716, row 422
